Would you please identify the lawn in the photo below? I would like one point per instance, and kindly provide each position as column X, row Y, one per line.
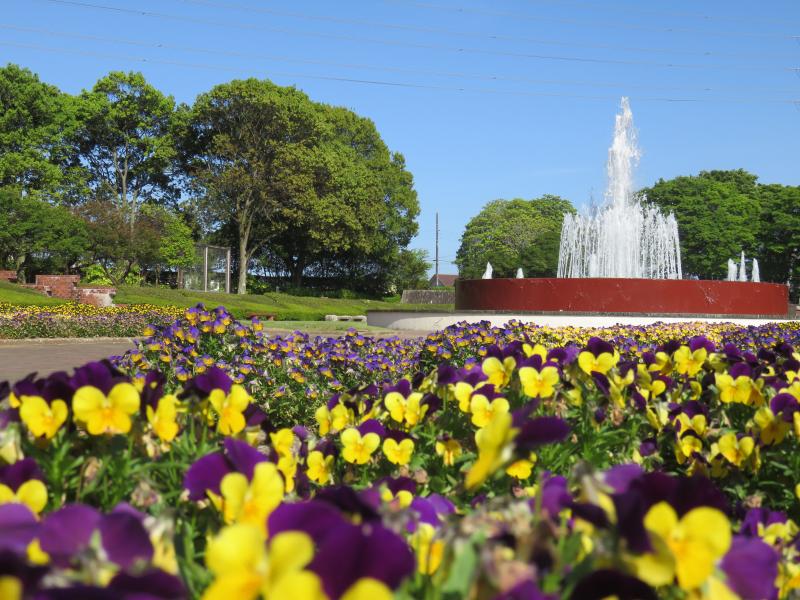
column 14, row 294
column 283, row 306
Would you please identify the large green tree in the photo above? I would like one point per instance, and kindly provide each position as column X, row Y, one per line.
column 34, row 233
column 242, row 137
column 36, row 122
column 779, row 236
column 511, row 234
column 308, row 185
column 718, row 214
column 348, row 203
column 125, row 143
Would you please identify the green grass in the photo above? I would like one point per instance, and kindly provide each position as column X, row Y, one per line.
column 283, row 306
column 15, row 294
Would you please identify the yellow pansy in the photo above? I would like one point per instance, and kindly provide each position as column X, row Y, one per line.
column 603, row 363
column 31, row 493
column 41, row 418
column 688, row 362
column 35, row 554
column 10, row 588
column 245, row 569
column 499, row 373
column 319, row 467
column 282, row 441
column 358, row 449
column 398, row 453
column 522, row 469
column 537, row 350
column 687, row 548
column 404, row 498
column 483, row 410
column 230, row 408
column 494, row 449
column 736, row 450
column 733, row 390
column 368, row 588
column 287, row 465
column 538, row 384
column 449, row 450
column 697, row 423
column 341, row 417
column 106, row 414
column 405, row 410
column 323, row 418
column 429, row 550
column 772, row 429
column 462, row 391
column 252, row 502
column 163, row 419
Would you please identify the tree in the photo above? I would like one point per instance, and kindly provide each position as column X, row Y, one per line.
column 36, row 120
column 512, row 234
column 119, row 252
column 349, row 204
column 410, row 270
column 125, row 142
column 239, row 139
column 177, row 249
column 718, row 214
column 311, row 185
column 779, row 235
column 33, row 232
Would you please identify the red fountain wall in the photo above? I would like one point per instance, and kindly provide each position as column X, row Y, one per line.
column 624, row 296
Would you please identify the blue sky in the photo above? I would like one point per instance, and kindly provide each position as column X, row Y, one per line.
column 503, row 99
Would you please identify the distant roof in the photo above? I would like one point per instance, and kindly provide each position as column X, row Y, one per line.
column 444, row 280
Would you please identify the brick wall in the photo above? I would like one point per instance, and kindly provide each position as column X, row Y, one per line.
column 8, row 276
column 66, row 287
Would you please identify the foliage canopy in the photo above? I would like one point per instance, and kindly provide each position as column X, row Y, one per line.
column 511, row 234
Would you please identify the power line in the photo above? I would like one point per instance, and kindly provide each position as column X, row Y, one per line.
column 388, row 69
column 400, row 84
column 589, row 23
column 661, row 13
column 457, row 49
column 469, row 34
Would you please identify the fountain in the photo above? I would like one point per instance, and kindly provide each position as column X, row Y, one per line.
column 624, row 238
column 619, row 263
column 624, row 258
column 731, row 270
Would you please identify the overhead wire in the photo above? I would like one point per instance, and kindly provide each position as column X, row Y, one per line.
column 400, row 84
column 426, row 46
column 362, row 66
column 458, row 33
column 588, row 23
column 606, row 8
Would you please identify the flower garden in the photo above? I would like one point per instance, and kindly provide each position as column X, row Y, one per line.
column 71, row 319
column 519, row 462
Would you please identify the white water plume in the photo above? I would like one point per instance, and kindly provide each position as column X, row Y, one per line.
column 624, row 238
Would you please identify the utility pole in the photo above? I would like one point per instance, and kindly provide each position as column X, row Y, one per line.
column 436, row 261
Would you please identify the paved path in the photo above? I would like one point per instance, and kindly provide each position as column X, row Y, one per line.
column 17, row 359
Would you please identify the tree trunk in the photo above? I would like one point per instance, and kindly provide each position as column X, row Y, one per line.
column 296, row 272
column 243, row 260
column 20, row 268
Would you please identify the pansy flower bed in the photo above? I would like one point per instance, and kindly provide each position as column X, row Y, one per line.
column 81, row 320
column 217, row 462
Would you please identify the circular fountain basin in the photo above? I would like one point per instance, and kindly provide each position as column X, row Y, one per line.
column 598, row 302
column 617, row 296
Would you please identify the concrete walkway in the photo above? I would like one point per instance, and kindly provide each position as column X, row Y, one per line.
column 20, row 357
